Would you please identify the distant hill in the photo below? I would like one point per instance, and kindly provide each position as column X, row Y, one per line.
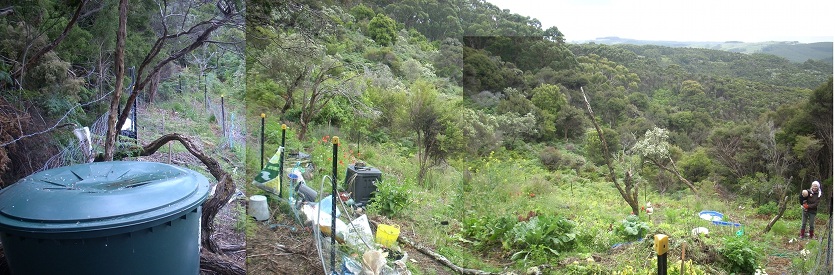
column 793, row 51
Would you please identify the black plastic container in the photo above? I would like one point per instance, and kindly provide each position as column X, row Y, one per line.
column 362, row 182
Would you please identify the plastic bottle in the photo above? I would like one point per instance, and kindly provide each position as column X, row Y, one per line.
column 325, row 205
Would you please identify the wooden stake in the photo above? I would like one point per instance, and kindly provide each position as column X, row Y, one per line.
column 683, row 247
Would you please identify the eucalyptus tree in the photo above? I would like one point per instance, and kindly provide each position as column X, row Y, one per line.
column 180, row 29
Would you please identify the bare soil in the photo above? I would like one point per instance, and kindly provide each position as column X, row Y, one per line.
column 283, row 247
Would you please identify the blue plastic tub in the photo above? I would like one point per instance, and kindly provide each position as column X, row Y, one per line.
column 711, row 216
column 727, row 223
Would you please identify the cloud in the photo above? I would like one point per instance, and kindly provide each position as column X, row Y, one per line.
column 683, row 20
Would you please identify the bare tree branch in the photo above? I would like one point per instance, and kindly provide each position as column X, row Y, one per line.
column 58, row 123
column 229, row 14
column 37, row 56
column 92, row 11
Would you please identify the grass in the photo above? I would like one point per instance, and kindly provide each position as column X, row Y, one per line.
column 512, row 185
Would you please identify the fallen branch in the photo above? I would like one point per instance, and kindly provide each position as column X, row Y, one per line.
column 440, row 258
column 219, row 264
column 232, row 248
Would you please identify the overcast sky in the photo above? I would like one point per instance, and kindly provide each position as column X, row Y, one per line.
column 683, row 20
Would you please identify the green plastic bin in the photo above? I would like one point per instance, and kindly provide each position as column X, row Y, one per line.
column 122, row 217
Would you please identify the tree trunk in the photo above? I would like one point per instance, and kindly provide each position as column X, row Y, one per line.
column 223, row 192
column 153, row 87
column 628, row 194
column 782, row 206
column 686, row 181
column 779, row 214
column 119, row 65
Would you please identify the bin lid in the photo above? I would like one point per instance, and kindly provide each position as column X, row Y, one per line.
column 100, row 195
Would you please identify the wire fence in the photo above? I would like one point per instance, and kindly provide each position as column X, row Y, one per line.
column 823, row 262
column 233, row 133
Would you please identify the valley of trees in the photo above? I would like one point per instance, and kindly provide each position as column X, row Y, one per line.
column 450, row 98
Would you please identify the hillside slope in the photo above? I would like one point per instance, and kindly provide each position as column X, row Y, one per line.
column 791, row 50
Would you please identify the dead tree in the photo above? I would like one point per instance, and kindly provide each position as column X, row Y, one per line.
column 628, row 191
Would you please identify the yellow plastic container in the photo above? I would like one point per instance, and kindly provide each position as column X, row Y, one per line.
column 387, row 234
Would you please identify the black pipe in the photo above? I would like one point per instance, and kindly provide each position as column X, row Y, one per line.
column 135, row 128
column 281, row 159
column 223, row 115
column 262, row 140
column 662, row 264
column 335, row 141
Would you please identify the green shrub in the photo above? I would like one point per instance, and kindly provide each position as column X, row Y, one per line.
column 769, row 208
column 793, row 213
column 550, row 158
column 740, row 255
column 584, row 269
column 535, row 240
column 553, row 232
column 554, row 159
column 487, row 232
column 390, row 199
column 632, row 228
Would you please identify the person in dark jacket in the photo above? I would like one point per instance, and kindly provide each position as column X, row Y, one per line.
column 810, row 209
